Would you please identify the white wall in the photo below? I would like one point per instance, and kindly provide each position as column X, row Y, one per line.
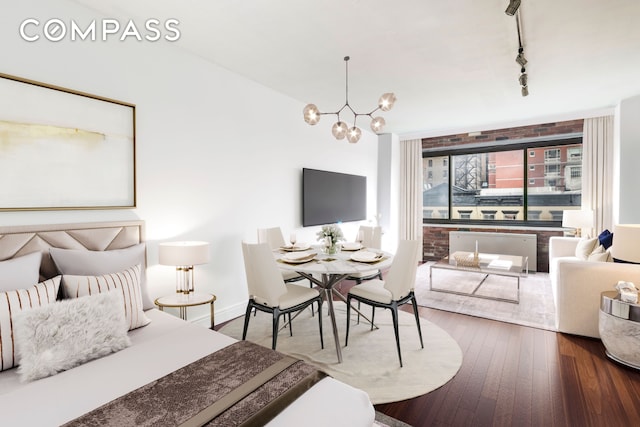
column 217, row 155
column 626, row 162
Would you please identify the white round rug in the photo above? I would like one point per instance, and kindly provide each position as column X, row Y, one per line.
column 370, row 361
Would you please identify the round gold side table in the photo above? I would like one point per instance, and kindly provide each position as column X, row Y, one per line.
column 183, row 301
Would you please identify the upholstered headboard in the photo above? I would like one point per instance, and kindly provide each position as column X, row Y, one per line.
column 95, row 236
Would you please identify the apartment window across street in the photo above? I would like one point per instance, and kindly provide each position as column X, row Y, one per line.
column 503, row 182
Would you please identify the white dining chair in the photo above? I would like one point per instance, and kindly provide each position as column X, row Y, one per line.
column 395, row 290
column 269, row 293
column 274, row 238
column 371, row 238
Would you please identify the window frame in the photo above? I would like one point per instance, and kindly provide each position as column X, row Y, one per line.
column 527, row 146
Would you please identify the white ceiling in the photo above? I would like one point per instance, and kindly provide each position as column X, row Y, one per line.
column 450, row 63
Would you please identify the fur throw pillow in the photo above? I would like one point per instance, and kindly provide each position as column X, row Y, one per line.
column 69, row 333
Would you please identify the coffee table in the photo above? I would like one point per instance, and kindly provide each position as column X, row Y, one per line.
column 487, row 264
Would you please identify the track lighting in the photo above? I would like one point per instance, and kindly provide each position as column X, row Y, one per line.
column 340, row 130
column 513, row 7
column 520, row 59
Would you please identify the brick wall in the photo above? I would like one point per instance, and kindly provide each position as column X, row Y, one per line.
column 436, row 238
column 504, row 135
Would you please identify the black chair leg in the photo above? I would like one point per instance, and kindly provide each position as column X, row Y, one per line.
column 415, row 312
column 346, row 336
column 276, row 321
column 320, row 322
column 373, row 316
column 247, row 316
column 290, row 328
column 394, row 314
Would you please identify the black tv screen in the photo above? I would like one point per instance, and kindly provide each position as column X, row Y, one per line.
column 331, row 197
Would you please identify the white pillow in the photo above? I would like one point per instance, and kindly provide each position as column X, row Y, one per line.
column 69, row 333
column 20, row 272
column 11, row 304
column 585, row 247
column 599, row 254
column 126, row 283
column 94, row 263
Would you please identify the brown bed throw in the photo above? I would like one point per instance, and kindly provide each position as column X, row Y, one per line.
column 243, row 384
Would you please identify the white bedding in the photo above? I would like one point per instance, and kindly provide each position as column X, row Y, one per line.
column 166, row 344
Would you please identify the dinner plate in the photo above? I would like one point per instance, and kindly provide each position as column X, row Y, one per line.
column 351, row 246
column 366, row 256
column 298, row 257
column 297, row 248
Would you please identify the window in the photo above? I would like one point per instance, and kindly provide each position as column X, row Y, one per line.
column 504, row 183
column 552, row 155
column 436, row 188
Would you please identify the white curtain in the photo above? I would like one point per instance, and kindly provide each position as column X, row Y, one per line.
column 597, row 171
column 411, row 190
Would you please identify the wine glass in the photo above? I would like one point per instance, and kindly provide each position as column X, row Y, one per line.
column 292, row 239
column 360, row 237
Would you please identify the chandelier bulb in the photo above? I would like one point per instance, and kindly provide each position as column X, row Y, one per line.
column 377, row 123
column 386, row 101
column 353, row 135
column 339, row 130
column 311, row 114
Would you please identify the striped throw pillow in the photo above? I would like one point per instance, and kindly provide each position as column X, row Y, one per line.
column 13, row 302
column 127, row 282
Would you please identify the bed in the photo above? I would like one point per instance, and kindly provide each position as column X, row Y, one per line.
column 159, row 347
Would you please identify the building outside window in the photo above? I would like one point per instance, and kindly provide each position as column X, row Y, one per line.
column 502, row 184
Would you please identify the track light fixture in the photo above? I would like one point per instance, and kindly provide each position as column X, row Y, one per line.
column 513, row 7
column 340, row 130
column 520, row 59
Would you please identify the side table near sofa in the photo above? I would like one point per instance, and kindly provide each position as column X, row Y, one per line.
column 619, row 326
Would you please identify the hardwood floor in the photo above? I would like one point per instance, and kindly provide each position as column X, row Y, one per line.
column 519, row 376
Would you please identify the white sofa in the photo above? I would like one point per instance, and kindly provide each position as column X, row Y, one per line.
column 577, row 285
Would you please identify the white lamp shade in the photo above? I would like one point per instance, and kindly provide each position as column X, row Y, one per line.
column 626, row 243
column 575, row 218
column 183, row 253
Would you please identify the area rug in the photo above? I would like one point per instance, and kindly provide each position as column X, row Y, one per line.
column 536, row 308
column 370, row 362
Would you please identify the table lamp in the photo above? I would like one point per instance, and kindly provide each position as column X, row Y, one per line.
column 183, row 255
column 626, row 243
column 578, row 219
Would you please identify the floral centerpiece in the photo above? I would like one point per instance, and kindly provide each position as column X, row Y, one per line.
column 330, row 235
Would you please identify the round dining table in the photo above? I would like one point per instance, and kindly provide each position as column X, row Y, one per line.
column 328, row 270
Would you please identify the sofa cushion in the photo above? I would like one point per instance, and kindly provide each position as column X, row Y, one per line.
column 585, row 247
column 599, row 254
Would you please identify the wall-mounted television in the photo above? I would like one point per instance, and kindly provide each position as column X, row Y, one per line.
column 331, row 197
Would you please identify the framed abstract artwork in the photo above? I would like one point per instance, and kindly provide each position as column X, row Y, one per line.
column 64, row 149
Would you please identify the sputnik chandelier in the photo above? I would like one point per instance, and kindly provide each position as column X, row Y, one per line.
column 340, row 129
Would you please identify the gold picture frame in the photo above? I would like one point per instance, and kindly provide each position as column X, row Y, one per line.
column 62, row 149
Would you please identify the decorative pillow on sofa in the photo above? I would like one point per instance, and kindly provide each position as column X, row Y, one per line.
column 66, row 334
column 20, row 272
column 127, row 283
column 12, row 303
column 606, row 239
column 599, row 254
column 94, row 263
column 585, row 247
